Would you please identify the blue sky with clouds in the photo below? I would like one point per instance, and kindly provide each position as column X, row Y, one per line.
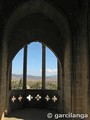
column 34, row 61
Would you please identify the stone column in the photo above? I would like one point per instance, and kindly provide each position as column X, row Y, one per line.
column 43, row 65
column 25, row 67
column 67, row 77
column 10, row 76
column 58, row 75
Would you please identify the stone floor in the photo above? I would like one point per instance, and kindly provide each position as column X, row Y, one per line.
column 30, row 114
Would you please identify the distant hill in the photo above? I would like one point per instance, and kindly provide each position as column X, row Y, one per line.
column 31, row 77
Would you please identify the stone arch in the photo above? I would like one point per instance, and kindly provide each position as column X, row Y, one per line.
column 52, row 29
column 39, row 7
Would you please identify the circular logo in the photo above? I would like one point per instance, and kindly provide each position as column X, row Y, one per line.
column 49, row 115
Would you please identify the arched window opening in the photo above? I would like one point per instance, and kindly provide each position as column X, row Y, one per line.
column 35, row 67
column 17, row 71
column 34, row 64
column 51, row 70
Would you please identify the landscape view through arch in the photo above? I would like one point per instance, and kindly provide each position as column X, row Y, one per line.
column 34, row 68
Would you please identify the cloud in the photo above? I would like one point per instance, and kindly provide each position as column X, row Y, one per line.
column 50, row 71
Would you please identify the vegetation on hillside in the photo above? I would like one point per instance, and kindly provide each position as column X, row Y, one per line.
column 34, row 84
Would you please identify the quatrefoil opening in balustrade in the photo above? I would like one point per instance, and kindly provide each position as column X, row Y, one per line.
column 47, row 98
column 38, row 97
column 20, row 98
column 13, row 99
column 29, row 97
column 54, row 98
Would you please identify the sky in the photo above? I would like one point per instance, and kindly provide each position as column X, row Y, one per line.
column 34, row 61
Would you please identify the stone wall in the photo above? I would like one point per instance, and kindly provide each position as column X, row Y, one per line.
column 88, row 57
column 3, row 77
